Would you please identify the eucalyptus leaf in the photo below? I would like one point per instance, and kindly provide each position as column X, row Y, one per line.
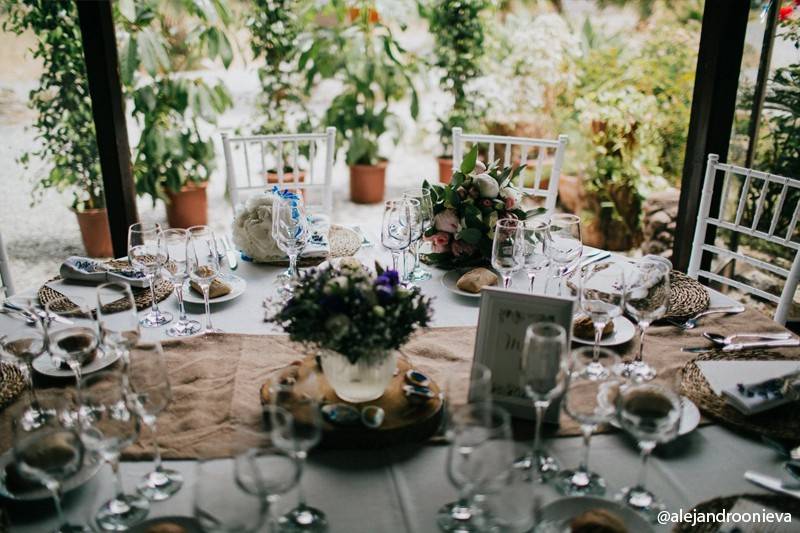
column 468, row 163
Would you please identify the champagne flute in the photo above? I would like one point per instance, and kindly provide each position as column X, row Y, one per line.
column 651, row 414
column 646, row 300
column 395, row 232
column 543, row 377
column 589, row 400
column 602, row 298
column 202, row 263
column 108, row 426
column 477, row 460
column 23, row 346
column 49, row 453
column 151, row 393
column 269, row 472
column 535, row 232
column 423, row 196
column 241, row 510
column 290, row 231
column 414, row 224
column 175, row 269
column 297, row 434
column 508, row 248
column 564, row 245
column 116, row 318
column 147, row 254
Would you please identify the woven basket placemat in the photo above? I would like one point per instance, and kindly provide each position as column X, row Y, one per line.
column 12, row 383
column 344, row 242
column 781, row 423
column 778, row 502
column 687, row 296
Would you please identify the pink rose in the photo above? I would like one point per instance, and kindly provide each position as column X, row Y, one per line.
column 509, row 203
column 440, row 242
column 447, row 221
column 460, row 248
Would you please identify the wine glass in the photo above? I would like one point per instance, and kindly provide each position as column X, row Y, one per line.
column 108, row 426
column 49, row 453
column 296, row 427
column 290, row 231
column 415, row 229
column 202, row 263
column 602, row 297
column 423, row 196
column 151, row 393
column 512, row 507
column 175, row 270
column 589, row 400
column 543, row 375
column 564, row 246
column 477, row 460
column 395, row 232
column 651, row 414
column 508, row 248
column 646, row 300
column 535, row 252
column 23, row 346
column 147, row 254
column 269, row 472
column 116, row 318
column 222, row 503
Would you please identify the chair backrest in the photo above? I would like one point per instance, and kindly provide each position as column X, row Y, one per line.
column 764, row 207
column 257, row 162
column 534, row 153
column 6, row 285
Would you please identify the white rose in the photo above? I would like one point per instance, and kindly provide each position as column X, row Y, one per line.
column 479, row 167
column 487, row 185
column 252, row 229
column 513, row 194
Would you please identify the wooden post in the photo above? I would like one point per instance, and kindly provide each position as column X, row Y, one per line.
column 108, row 108
column 713, row 105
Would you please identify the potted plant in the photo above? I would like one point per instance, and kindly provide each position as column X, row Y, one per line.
column 64, row 122
column 357, row 321
column 458, row 30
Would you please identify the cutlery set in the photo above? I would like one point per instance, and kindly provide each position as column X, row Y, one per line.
column 32, row 317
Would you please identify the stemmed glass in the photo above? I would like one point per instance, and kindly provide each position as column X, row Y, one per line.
column 589, row 400
column 423, row 196
column 290, row 231
column 602, row 297
column 175, row 269
column 535, row 253
column 223, row 503
column 297, row 434
column 508, row 248
column 150, row 394
column 147, row 254
column 651, row 414
column 564, row 247
column 477, row 461
column 268, row 472
column 478, row 392
column 646, row 300
column 116, row 318
column 415, row 229
column 108, row 426
column 25, row 345
column 202, row 263
column 543, row 376
column 395, row 233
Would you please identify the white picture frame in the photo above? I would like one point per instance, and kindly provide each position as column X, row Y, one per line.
column 502, row 320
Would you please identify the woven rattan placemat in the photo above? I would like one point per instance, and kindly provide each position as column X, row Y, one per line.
column 344, row 242
column 687, row 296
column 12, row 383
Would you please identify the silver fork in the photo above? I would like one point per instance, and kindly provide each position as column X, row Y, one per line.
column 692, row 322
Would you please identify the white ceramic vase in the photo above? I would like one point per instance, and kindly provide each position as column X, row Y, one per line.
column 364, row 381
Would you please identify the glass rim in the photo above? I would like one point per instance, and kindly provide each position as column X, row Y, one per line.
column 567, row 217
column 673, row 396
column 509, row 223
column 546, row 329
column 145, row 227
column 200, row 228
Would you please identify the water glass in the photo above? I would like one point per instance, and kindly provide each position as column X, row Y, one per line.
column 269, row 472
column 147, row 254
column 116, row 318
column 602, row 298
column 290, row 231
column 512, row 507
column 564, row 246
column 222, row 503
column 23, row 345
column 535, row 233
column 508, row 248
column 423, row 196
column 202, row 264
column 396, row 229
column 175, row 271
column 415, row 229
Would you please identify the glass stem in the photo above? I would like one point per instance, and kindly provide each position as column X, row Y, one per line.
column 292, row 267
column 395, row 260
column 300, row 457
column 179, row 294
column 118, row 490
column 156, row 449
column 643, row 328
column 531, row 279
column 416, row 256
column 646, row 449
column 537, row 436
column 55, row 490
column 76, row 369
column 598, row 335
column 586, row 432
column 206, row 289
column 152, row 280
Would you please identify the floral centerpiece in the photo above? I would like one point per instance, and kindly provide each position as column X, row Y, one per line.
column 467, row 209
column 357, row 320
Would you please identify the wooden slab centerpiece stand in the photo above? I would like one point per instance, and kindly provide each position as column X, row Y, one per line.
column 404, row 421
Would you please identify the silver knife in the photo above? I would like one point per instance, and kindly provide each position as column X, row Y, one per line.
column 230, row 253
column 772, row 483
column 36, row 314
column 743, row 346
column 591, row 258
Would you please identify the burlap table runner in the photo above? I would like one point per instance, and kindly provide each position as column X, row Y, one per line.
column 216, row 379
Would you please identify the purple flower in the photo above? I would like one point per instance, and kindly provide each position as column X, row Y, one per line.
column 384, row 293
column 389, row 277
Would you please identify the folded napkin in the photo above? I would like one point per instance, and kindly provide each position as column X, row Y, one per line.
column 89, row 270
column 762, row 396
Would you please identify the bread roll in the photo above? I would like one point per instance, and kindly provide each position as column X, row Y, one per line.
column 584, row 328
column 474, row 280
column 597, row 521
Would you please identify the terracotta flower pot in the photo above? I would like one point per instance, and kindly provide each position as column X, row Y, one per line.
column 95, row 232
column 288, row 178
column 445, row 170
column 189, row 207
column 354, row 13
column 367, row 183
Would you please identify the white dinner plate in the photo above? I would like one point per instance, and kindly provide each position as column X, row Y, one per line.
column 238, row 286
column 556, row 516
column 450, row 279
column 624, row 330
column 45, row 365
column 690, row 417
column 90, row 468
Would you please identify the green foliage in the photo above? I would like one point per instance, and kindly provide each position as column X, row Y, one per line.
column 64, row 124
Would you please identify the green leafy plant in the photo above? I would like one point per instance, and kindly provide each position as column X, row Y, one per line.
column 64, row 123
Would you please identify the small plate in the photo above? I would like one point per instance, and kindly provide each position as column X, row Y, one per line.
column 45, row 365
column 690, row 417
column 624, row 330
column 450, row 279
column 89, row 470
column 190, row 525
column 556, row 516
column 238, row 285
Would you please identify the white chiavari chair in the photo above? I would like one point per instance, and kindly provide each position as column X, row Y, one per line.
column 534, row 153
column 767, row 208
column 249, row 159
column 6, row 285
